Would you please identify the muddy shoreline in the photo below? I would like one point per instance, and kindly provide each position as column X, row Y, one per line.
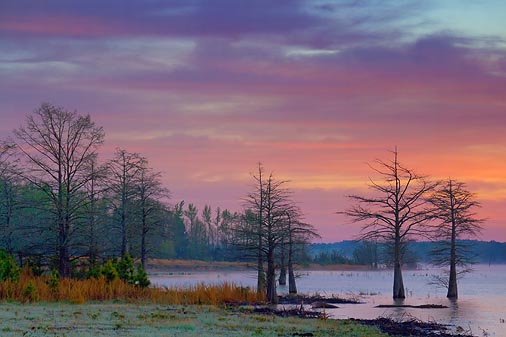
column 410, row 327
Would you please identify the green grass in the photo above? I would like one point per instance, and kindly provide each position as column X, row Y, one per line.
column 113, row 319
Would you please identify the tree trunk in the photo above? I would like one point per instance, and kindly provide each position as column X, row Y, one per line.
column 398, row 289
column 63, row 257
column 375, row 255
column 8, row 216
column 124, row 238
column 260, row 264
column 143, row 251
column 93, row 247
column 63, row 251
column 272, row 297
column 124, row 243
column 282, row 276
column 282, row 270
column 260, row 268
column 452, row 282
column 143, row 238
column 398, row 283
column 292, row 287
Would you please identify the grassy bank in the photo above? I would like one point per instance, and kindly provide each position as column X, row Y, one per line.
column 114, row 319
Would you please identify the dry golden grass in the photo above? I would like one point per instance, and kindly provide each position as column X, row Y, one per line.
column 31, row 288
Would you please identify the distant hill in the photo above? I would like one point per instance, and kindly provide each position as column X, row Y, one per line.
column 490, row 252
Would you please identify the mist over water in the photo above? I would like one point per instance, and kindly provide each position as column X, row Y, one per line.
column 481, row 307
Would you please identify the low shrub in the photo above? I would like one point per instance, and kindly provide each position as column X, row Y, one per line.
column 125, row 268
column 30, row 293
column 109, row 271
column 141, row 278
column 9, row 270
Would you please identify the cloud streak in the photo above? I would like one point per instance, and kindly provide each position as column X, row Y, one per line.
column 206, row 89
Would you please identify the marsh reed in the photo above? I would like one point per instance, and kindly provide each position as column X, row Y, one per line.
column 30, row 288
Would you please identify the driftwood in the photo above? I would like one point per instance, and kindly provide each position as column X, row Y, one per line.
column 323, row 305
column 304, row 299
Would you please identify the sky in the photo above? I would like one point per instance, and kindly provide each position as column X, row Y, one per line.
column 314, row 90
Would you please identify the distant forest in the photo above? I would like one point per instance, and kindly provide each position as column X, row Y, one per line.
column 487, row 252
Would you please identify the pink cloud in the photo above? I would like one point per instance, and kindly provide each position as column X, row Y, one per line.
column 236, row 95
column 73, row 26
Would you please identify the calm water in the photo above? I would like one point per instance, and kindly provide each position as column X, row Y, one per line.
column 480, row 308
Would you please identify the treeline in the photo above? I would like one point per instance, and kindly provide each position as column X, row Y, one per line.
column 61, row 206
column 355, row 252
column 64, row 209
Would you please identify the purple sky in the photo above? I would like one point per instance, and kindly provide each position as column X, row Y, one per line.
column 312, row 89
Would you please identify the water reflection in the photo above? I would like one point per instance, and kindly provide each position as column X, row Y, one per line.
column 480, row 308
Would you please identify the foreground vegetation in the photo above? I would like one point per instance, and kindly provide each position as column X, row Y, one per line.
column 47, row 305
column 114, row 302
column 29, row 288
column 113, row 319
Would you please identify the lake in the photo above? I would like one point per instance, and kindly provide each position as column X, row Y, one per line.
column 481, row 307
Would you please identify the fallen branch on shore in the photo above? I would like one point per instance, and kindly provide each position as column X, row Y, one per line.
column 305, row 299
column 323, row 305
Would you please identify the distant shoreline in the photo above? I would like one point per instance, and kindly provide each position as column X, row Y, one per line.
column 156, row 266
column 162, row 265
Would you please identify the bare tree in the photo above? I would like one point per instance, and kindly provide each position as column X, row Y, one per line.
column 298, row 234
column 267, row 226
column 95, row 190
column 454, row 208
column 283, row 263
column 397, row 211
column 151, row 195
column 57, row 145
column 255, row 202
column 124, row 172
column 206, row 218
column 10, row 200
column 277, row 203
